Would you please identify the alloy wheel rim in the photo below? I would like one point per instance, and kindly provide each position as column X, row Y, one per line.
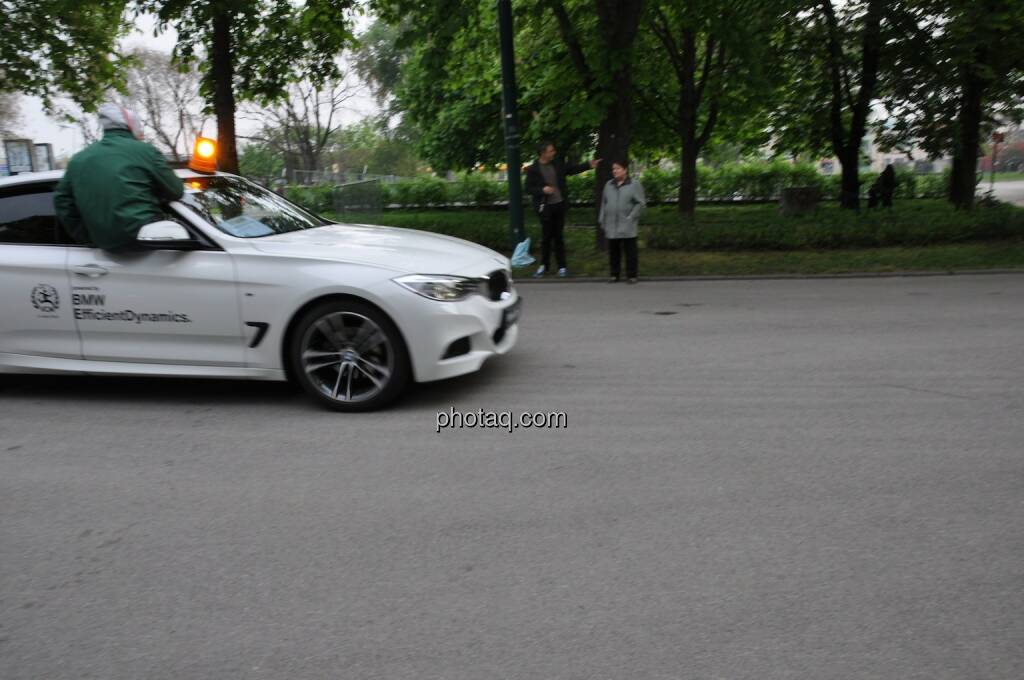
column 347, row 357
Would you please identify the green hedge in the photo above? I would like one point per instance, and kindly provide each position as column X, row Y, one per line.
column 919, row 224
column 750, row 181
column 318, row 198
column 745, row 227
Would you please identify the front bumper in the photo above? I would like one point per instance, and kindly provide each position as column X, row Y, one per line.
column 473, row 328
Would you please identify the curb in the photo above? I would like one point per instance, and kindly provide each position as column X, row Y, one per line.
column 775, row 277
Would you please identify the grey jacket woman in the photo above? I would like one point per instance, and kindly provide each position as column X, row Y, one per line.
column 621, row 207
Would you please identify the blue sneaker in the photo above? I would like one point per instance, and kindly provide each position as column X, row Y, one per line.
column 540, row 272
column 563, row 273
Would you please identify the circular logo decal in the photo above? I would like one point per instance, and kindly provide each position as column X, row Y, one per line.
column 45, row 298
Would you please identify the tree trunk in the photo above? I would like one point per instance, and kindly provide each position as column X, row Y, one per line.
column 613, row 140
column 953, row 188
column 849, row 193
column 965, row 165
column 688, row 105
column 688, row 176
column 224, row 91
column 847, row 147
column 619, row 22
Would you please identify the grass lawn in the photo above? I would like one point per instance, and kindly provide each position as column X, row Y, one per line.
column 1003, row 177
column 586, row 261
column 755, row 239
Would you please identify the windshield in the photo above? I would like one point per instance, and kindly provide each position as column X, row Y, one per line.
column 243, row 209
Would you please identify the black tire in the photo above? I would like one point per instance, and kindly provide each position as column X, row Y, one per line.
column 348, row 356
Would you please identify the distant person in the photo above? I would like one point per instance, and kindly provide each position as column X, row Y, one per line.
column 621, row 204
column 883, row 188
column 115, row 186
column 887, row 185
column 545, row 182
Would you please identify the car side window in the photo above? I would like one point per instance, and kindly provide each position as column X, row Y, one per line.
column 27, row 215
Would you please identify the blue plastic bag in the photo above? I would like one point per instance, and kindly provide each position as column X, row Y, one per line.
column 521, row 255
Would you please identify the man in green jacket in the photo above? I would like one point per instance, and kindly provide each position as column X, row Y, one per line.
column 116, row 185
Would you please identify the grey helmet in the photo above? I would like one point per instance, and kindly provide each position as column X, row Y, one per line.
column 116, row 117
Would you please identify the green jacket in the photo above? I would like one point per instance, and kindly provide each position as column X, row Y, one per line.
column 112, row 188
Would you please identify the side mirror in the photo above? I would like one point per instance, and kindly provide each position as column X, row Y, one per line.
column 165, row 234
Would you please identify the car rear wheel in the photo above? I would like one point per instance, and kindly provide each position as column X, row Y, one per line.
column 349, row 356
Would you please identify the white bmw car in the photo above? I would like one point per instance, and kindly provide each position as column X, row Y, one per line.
column 239, row 283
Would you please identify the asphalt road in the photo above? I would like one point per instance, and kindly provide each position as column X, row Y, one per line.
column 1011, row 192
column 759, row 479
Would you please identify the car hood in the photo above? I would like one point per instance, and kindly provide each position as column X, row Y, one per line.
column 403, row 250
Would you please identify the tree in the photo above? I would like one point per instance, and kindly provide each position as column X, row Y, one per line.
column 371, row 145
column 53, row 47
column 259, row 161
column 833, row 55
column 844, row 77
column 302, row 125
column 253, row 50
column 574, row 66
column 167, row 98
column 718, row 58
column 961, row 72
column 378, row 58
column 605, row 70
column 10, row 115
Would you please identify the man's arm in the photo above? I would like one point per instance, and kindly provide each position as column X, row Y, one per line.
column 67, row 211
column 582, row 167
column 169, row 186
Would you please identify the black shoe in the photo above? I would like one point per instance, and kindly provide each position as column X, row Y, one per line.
column 614, row 279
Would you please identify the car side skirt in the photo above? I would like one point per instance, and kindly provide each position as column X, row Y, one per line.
column 23, row 363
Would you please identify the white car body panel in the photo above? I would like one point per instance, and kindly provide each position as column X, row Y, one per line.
column 199, row 313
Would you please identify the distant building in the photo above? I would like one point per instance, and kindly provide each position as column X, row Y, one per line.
column 918, row 162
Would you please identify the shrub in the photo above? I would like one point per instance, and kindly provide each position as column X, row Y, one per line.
column 746, row 180
column 428, row 190
column 389, row 193
column 762, row 228
column 660, row 185
column 933, row 185
column 475, row 189
column 318, row 198
column 581, row 187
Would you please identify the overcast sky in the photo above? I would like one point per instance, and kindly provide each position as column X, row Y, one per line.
column 67, row 139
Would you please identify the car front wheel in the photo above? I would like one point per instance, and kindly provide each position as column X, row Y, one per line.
column 349, row 356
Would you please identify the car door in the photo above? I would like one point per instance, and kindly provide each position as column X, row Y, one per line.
column 36, row 316
column 157, row 306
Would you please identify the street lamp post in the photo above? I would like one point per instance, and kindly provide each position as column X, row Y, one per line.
column 511, row 121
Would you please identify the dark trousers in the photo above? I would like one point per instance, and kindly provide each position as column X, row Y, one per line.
column 552, row 226
column 615, row 248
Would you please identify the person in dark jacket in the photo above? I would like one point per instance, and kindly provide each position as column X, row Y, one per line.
column 621, row 204
column 115, row 186
column 545, row 182
column 883, row 188
column 887, row 185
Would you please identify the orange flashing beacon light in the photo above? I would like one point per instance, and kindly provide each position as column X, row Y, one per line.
column 204, row 155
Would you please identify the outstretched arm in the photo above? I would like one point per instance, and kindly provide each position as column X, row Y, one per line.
column 169, row 186
column 582, row 167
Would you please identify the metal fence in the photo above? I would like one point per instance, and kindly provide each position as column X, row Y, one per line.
column 314, row 177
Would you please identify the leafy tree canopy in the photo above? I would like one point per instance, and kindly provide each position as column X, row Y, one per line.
column 61, row 47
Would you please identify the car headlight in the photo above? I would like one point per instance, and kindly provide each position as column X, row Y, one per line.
column 440, row 287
